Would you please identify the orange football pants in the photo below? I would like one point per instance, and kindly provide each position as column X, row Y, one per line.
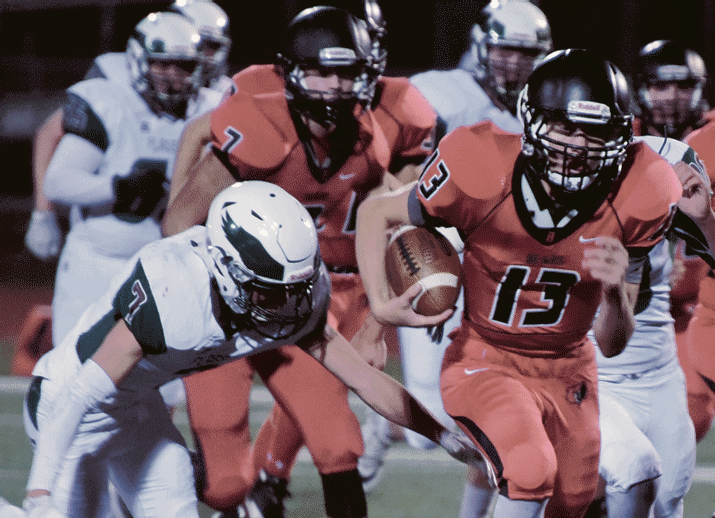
column 701, row 354
column 280, row 439
column 535, row 416
column 218, row 404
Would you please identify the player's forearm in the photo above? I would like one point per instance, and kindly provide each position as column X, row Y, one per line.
column 71, row 176
column 47, row 138
column 89, row 385
column 373, row 221
column 191, row 205
column 194, row 138
column 615, row 323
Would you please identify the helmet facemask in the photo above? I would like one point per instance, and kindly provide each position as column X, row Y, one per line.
column 511, row 39
column 275, row 310
column 507, row 70
column 336, row 104
column 164, row 62
column 172, row 82
column 575, row 150
column 669, row 81
column 671, row 106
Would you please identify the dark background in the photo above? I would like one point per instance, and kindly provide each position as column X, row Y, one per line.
column 47, row 45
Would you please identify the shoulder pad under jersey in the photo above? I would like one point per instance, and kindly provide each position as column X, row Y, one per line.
column 180, row 283
column 481, row 158
column 92, row 108
column 254, row 131
column 645, row 171
column 403, row 101
column 111, row 65
column 258, row 79
column 701, row 141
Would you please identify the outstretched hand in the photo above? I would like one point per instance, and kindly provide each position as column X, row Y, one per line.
column 697, row 195
column 460, row 447
column 398, row 311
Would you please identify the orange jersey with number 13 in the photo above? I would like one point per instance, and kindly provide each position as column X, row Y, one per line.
column 522, row 293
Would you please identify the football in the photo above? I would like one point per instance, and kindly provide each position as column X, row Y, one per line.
column 418, row 255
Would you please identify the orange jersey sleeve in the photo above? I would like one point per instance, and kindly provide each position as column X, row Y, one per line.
column 406, row 119
column 702, row 141
column 645, row 196
column 254, row 133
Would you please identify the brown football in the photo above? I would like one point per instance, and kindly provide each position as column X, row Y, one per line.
column 418, row 255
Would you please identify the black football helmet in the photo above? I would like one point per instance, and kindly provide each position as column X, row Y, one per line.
column 669, row 111
column 331, row 41
column 584, row 95
column 327, row 39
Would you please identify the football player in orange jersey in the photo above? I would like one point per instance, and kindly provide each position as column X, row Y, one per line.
column 552, row 230
column 699, row 344
column 327, row 132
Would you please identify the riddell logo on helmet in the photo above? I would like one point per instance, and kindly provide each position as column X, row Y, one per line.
column 299, row 276
column 588, row 109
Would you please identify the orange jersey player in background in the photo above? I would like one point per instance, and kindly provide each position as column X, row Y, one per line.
column 552, row 230
column 329, row 140
column 699, row 344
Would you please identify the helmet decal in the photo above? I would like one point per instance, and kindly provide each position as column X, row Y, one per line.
column 253, row 254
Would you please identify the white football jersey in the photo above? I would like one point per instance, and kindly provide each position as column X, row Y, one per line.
column 460, row 101
column 165, row 295
column 653, row 342
column 118, row 121
column 110, row 65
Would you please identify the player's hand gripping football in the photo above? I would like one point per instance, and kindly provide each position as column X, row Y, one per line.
column 607, row 260
column 398, row 311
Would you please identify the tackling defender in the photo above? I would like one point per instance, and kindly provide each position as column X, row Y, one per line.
column 252, row 280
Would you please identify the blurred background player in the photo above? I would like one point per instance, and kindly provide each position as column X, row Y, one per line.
column 669, row 82
column 45, row 233
column 112, row 163
column 213, row 25
column 342, row 128
column 543, row 236
column 639, row 463
column 506, row 44
column 642, row 394
column 670, row 79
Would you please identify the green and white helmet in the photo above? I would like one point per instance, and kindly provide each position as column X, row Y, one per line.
column 213, row 25
column 165, row 37
column 265, row 253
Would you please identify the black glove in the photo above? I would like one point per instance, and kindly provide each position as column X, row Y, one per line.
column 140, row 193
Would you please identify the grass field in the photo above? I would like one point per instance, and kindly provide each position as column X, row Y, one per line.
column 415, row 484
